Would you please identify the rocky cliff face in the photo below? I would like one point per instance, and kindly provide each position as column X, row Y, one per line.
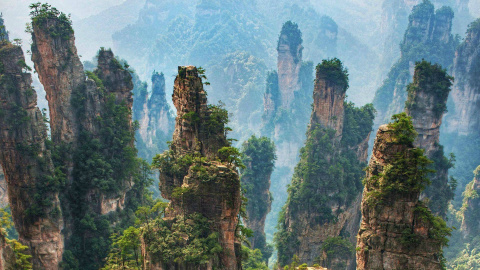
column 25, row 156
column 258, row 157
column 205, row 182
column 397, row 229
column 323, row 208
column 426, row 104
column 428, row 36
column 289, row 62
column 466, row 89
column 156, row 120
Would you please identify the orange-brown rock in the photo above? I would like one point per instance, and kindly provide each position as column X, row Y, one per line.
column 396, row 228
column 215, row 193
column 26, row 160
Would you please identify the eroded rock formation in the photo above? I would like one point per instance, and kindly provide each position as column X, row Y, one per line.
column 428, row 36
column 259, row 158
column 397, row 230
column 198, row 174
column 33, row 186
column 426, row 104
column 322, row 212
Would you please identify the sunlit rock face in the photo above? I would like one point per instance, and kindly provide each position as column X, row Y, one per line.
column 393, row 233
column 197, row 134
column 26, row 160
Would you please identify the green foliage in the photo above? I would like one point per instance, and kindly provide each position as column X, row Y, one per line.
column 48, row 18
column 292, row 36
column 21, row 260
column 231, row 155
column 439, row 230
column 432, row 80
column 407, row 171
column 252, row 259
column 357, row 123
column 215, row 123
column 337, row 248
column 185, row 240
column 332, row 70
column 125, row 251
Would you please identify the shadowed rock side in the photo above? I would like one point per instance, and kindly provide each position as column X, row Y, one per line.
column 426, row 104
column 26, row 159
column 322, row 212
column 463, row 119
column 199, row 177
column 428, row 36
column 397, row 230
column 259, row 158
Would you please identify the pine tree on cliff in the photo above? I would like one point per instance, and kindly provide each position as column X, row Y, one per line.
column 198, row 175
column 258, row 156
column 398, row 231
column 319, row 220
column 426, row 104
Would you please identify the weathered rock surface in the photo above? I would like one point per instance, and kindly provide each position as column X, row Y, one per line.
column 394, row 232
column 426, row 104
column 466, row 89
column 324, row 207
column 214, row 194
column 26, row 160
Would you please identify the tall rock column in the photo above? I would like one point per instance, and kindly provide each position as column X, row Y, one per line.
column 426, row 104
column 397, row 230
column 259, row 158
column 466, row 88
column 198, row 175
column 59, row 69
column 289, row 50
column 471, row 205
column 25, row 157
column 322, row 211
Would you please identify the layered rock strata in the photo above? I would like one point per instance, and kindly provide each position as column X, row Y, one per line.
column 208, row 185
column 397, row 230
column 33, row 186
column 426, row 104
column 323, row 208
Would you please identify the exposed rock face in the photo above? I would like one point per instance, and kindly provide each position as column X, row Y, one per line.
column 427, row 98
column 26, row 160
column 3, row 189
column 157, row 120
column 466, row 89
column 258, row 157
column 323, row 208
column 396, row 228
column 61, row 72
column 428, row 36
column 471, row 202
column 328, row 100
column 289, row 62
column 215, row 193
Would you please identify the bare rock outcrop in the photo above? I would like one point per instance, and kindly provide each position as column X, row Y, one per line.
column 397, row 230
column 198, row 174
column 322, row 211
column 33, row 186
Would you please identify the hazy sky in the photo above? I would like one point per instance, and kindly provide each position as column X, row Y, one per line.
column 15, row 12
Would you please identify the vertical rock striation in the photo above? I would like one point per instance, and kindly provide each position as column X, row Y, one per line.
column 289, row 50
column 426, row 104
column 322, row 212
column 466, row 88
column 397, row 230
column 198, row 174
column 25, row 156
